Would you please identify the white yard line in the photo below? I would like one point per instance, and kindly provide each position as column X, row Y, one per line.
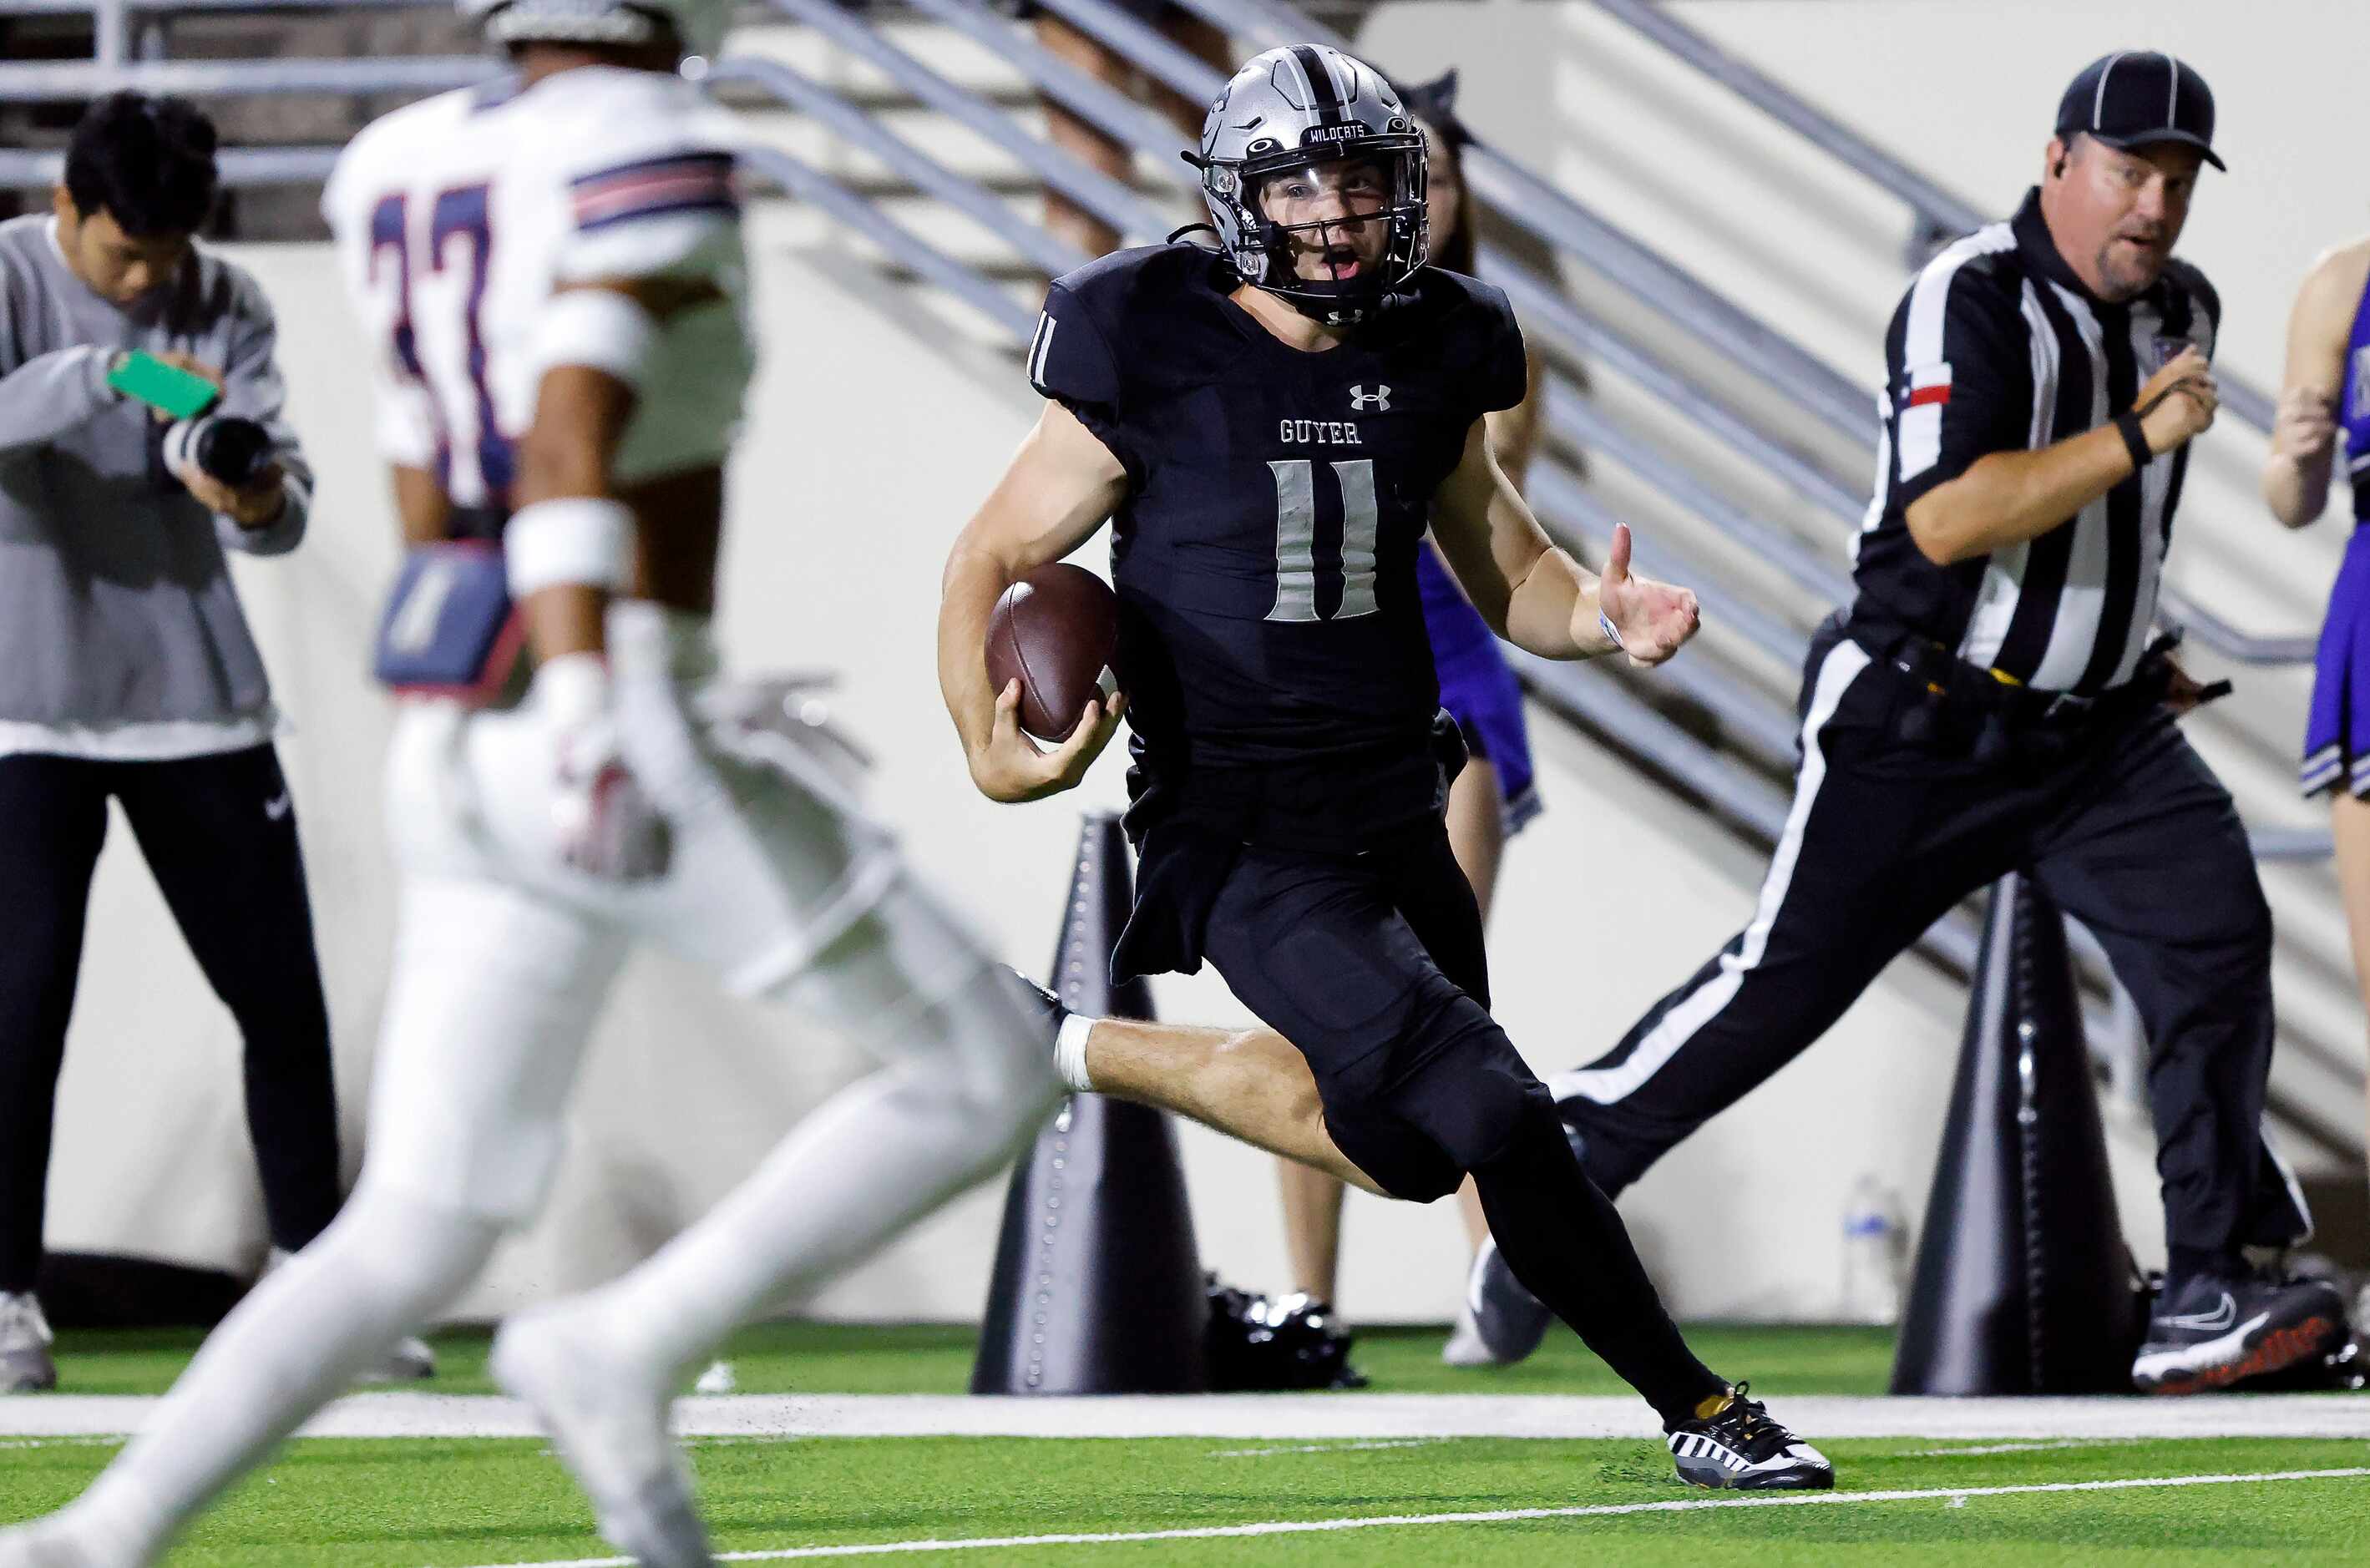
column 1274, row 1418
column 1982, row 1449
column 1326, row 1448
column 1957, row 1496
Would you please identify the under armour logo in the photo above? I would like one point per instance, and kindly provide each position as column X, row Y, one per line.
column 1379, row 399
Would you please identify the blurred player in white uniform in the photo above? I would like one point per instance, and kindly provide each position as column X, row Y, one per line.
column 553, row 266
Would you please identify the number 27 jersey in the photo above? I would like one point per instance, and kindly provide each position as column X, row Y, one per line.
column 1264, row 556
column 458, row 218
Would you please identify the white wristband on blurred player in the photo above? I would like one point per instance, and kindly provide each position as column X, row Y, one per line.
column 583, row 540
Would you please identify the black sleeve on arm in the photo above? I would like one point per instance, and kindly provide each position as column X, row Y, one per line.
column 1502, row 363
column 1070, row 361
column 1958, row 378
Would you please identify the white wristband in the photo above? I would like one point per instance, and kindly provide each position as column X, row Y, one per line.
column 597, row 328
column 1604, row 625
column 575, row 539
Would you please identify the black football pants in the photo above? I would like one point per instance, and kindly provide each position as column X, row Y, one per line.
column 2117, row 819
column 1373, row 966
column 219, row 834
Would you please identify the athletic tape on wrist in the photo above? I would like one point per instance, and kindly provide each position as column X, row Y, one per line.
column 2135, row 439
column 596, row 327
column 583, row 540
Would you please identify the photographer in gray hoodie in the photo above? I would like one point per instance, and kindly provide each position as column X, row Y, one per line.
column 126, row 669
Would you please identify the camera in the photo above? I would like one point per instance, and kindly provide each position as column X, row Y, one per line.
column 227, row 447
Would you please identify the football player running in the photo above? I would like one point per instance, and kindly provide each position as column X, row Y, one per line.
column 1270, row 428
column 556, row 267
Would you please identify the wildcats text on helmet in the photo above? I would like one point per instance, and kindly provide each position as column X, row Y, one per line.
column 1289, row 109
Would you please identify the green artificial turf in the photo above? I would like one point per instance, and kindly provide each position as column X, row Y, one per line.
column 933, row 1358
column 421, row 1504
column 357, row 1503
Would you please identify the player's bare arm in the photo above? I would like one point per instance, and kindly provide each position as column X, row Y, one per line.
column 1537, row 596
column 1060, row 487
column 569, row 451
column 2303, row 436
column 423, row 508
column 2007, row 497
column 579, row 417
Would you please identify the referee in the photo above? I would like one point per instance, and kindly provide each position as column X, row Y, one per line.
column 126, row 670
column 1994, row 702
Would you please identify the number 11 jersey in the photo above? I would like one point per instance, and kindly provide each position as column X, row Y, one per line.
column 458, row 218
column 1272, row 640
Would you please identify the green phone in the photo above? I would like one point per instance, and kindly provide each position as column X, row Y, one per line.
column 150, row 380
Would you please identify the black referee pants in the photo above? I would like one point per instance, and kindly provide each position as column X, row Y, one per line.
column 219, row 834
column 2119, row 821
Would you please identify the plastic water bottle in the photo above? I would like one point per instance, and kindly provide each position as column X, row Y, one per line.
column 1875, row 1254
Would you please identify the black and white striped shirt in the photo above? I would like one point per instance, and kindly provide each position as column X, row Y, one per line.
column 1999, row 347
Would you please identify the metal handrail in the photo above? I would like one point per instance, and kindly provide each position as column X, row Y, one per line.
column 1176, row 67
column 1574, row 519
column 1586, row 425
column 1553, row 216
column 1049, row 252
column 62, row 80
column 826, row 195
column 1543, row 304
column 102, row 7
column 1113, row 112
column 1109, row 199
column 1921, row 194
column 2239, row 647
column 241, row 167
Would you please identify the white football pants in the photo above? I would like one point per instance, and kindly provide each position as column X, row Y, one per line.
column 502, row 954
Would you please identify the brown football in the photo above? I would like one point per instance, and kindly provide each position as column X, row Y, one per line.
column 1055, row 631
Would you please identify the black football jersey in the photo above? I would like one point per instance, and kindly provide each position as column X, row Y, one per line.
column 1272, row 638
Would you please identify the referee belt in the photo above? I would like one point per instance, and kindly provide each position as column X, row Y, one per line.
column 1952, row 685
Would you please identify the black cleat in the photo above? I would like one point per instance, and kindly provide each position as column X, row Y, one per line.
column 2214, row 1330
column 1740, row 1449
column 1508, row 1321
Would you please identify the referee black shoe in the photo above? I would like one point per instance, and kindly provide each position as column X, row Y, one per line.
column 2211, row 1330
column 1737, row 1447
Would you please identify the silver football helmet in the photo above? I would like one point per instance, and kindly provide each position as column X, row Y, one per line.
column 699, row 25
column 1290, row 109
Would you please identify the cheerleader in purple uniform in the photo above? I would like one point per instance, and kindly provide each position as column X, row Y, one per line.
column 2326, row 396
column 1495, row 795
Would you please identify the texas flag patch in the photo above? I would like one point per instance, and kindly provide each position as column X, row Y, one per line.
column 1929, row 387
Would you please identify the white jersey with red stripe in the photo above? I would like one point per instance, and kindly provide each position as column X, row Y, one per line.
column 458, row 218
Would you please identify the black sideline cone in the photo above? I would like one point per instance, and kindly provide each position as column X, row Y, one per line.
column 2024, row 1285
column 1097, row 1285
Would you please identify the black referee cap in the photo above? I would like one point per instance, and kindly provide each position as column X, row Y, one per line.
column 2135, row 97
